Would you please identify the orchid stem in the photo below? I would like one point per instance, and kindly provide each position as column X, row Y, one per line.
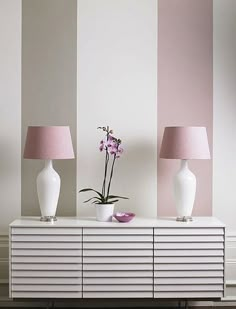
column 106, row 165
column 105, row 174
column 111, row 174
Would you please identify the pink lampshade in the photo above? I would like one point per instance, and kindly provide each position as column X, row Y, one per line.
column 49, row 142
column 185, row 143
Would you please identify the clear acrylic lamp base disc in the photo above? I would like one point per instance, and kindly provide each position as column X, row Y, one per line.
column 184, row 219
column 48, row 219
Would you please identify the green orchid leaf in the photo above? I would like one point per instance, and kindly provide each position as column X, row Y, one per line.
column 89, row 189
column 95, row 197
column 98, row 202
column 113, row 201
column 116, row 196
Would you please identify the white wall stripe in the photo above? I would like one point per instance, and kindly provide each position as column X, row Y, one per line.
column 224, row 128
column 10, row 115
column 117, row 86
column 224, row 124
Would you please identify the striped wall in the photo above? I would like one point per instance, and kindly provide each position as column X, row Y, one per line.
column 136, row 65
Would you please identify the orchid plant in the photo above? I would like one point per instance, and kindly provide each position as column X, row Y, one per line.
column 111, row 146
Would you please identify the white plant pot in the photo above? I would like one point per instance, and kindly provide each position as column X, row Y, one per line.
column 104, row 212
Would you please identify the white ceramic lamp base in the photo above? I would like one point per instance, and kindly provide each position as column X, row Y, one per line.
column 185, row 191
column 48, row 187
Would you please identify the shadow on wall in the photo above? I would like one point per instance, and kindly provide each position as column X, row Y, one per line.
column 136, row 173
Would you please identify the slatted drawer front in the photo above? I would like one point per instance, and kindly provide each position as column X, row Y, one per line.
column 188, row 231
column 188, row 294
column 46, row 262
column 117, row 262
column 188, row 262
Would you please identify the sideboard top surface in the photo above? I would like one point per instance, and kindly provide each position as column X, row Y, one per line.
column 136, row 222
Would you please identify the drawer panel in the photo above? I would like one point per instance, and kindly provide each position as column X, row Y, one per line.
column 201, row 295
column 190, row 266
column 123, row 294
column 117, row 267
column 47, row 281
column 47, row 238
column 117, row 281
column 188, row 231
column 189, row 238
column 46, row 245
column 47, row 273
column 117, row 245
column 117, row 288
column 188, row 260
column 117, row 260
column 188, row 287
column 188, row 273
column 46, row 259
column 191, row 252
column 112, row 253
column 46, row 287
column 45, row 294
column 46, row 231
column 47, row 267
column 188, row 246
column 118, row 231
column 118, row 238
column 183, row 281
column 118, row 274
column 48, row 252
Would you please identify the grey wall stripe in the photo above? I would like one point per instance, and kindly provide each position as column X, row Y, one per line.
column 49, row 34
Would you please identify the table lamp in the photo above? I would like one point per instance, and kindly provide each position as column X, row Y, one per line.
column 48, row 143
column 185, row 143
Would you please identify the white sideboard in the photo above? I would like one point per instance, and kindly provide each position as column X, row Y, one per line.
column 146, row 258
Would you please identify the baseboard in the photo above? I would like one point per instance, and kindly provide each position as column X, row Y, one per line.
column 4, row 241
column 230, row 265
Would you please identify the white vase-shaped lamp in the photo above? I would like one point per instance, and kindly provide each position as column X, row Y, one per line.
column 184, row 191
column 185, row 143
column 47, row 143
column 48, row 188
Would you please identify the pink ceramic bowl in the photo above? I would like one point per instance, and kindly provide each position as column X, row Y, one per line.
column 124, row 216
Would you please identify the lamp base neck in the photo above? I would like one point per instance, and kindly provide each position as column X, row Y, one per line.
column 48, row 164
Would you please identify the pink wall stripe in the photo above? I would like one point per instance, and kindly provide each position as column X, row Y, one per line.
column 185, row 90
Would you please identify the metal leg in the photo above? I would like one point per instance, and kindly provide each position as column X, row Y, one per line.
column 186, row 304
column 50, row 304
